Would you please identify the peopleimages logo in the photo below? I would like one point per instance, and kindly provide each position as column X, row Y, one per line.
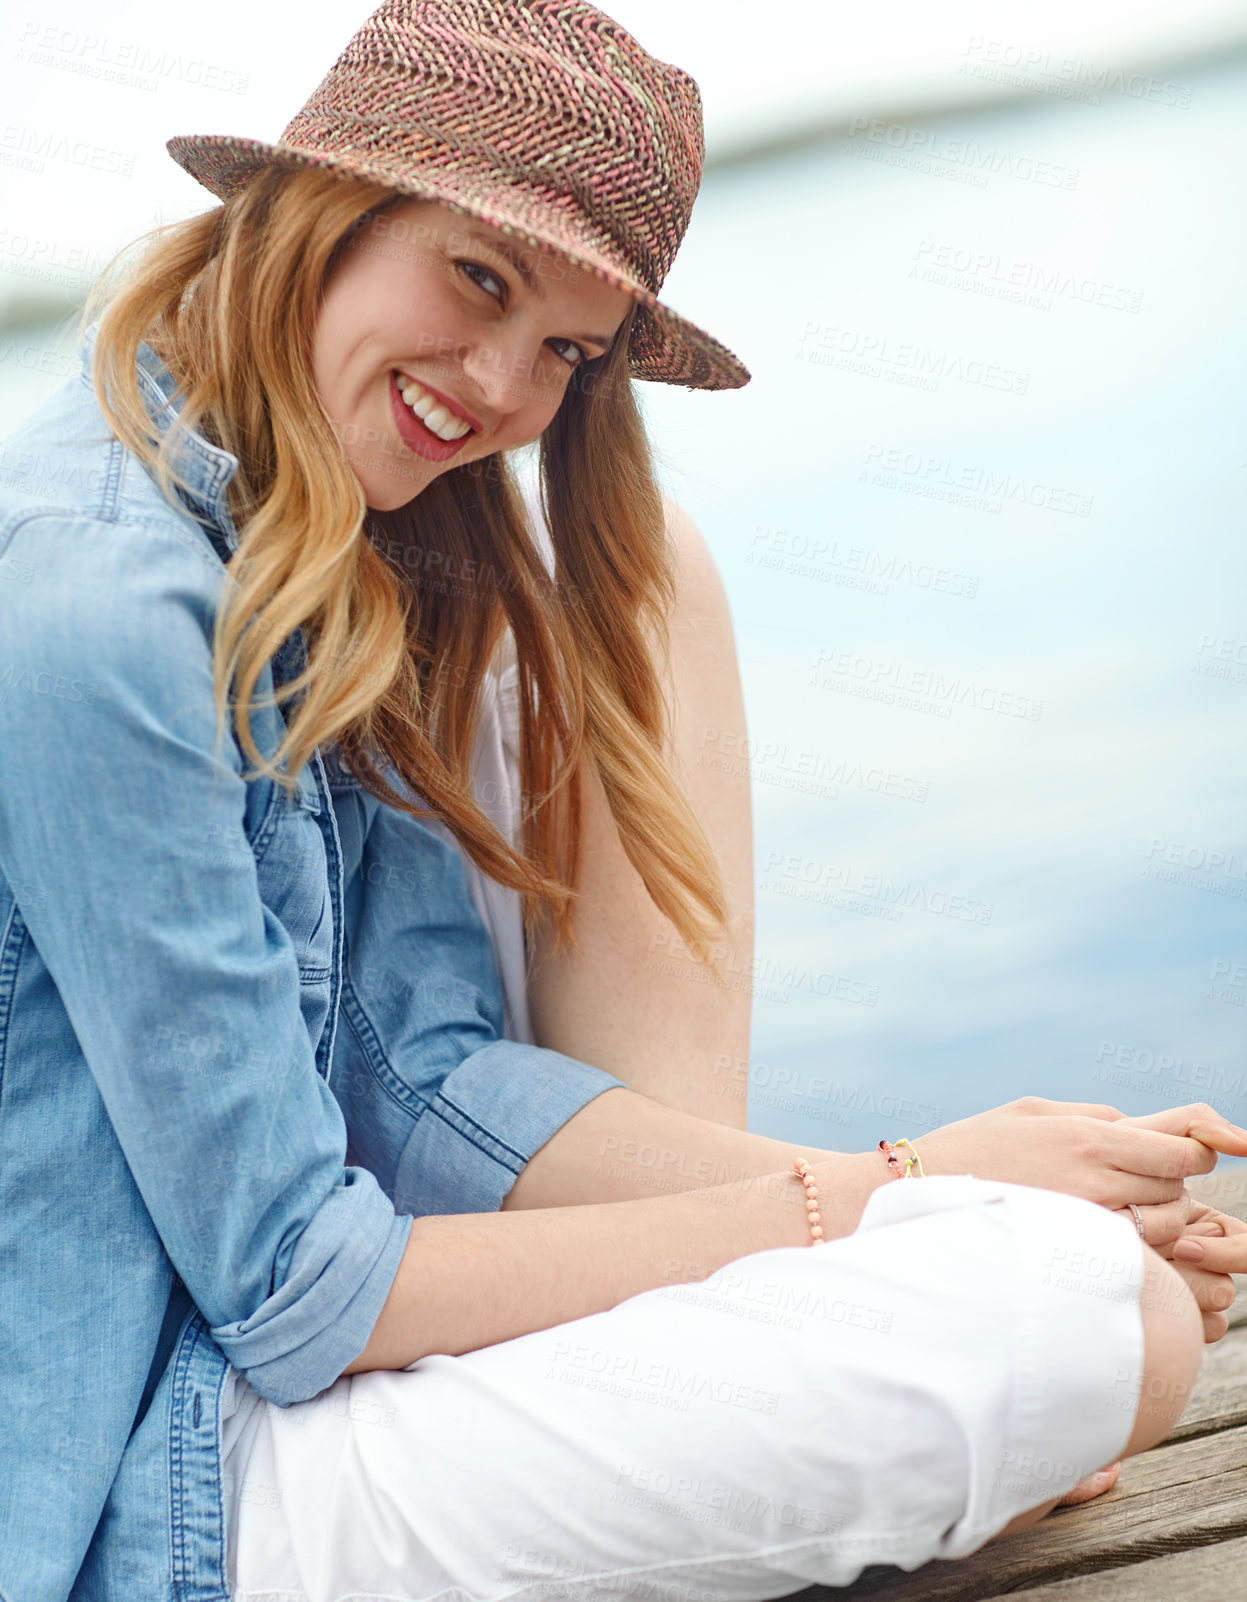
column 896, row 682
column 934, row 151
column 34, row 681
column 881, row 355
column 1221, row 873
column 1021, row 282
column 917, row 472
column 1030, row 66
column 126, row 63
column 802, row 555
column 808, row 878
column 802, row 768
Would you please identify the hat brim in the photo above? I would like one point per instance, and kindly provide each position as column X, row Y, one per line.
column 665, row 347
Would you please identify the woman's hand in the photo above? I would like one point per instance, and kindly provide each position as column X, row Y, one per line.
column 1162, row 1224
column 1211, row 1247
column 1204, row 1245
column 1165, row 1225
column 1090, row 1150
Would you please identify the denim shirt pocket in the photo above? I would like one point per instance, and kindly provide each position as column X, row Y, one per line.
column 297, row 867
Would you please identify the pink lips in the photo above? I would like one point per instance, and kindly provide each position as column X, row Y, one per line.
column 416, row 436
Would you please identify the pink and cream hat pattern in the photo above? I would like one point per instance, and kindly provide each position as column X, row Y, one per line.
column 544, row 119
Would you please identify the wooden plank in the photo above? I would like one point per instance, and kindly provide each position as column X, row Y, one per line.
column 1219, row 1401
column 1208, row 1574
column 1182, row 1494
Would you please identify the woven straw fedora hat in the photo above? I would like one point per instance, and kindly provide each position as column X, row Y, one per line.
column 543, row 118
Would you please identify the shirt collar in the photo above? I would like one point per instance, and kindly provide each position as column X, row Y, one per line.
column 205, row 469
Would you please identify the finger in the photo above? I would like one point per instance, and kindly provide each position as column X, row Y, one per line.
column 1213, row 1293
column 1156, row 1153
column 1210, row 1227
column 1199, row 1121
column 1117, row 1189
column 1218, row 1254
column 1215, row 1326
column 1042, row 1107
column 1092, row 1485
column 1163, row 1223
column 1207, row 1221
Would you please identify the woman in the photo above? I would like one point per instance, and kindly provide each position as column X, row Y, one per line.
column 313, row 1279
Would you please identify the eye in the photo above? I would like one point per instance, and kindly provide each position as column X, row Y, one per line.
column 581, row 353
column 481, row 268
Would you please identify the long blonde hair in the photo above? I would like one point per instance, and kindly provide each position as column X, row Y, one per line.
column 395, row 660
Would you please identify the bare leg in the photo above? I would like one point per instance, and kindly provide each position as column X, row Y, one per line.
column 628, row 1004
column 1173, row 1340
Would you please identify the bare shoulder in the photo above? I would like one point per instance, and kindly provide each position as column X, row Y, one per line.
column 695, row 558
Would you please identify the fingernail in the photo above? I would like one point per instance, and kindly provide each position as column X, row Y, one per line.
column 1190, row 1251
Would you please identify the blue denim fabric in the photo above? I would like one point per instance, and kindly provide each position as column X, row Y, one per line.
column 243, row 1041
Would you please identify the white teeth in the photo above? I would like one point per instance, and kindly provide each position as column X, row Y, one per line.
column 431, row 413
column 419, row 402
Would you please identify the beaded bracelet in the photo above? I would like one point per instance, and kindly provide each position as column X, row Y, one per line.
column 910, row 1161
column 889, row 1151
column 805, row 1174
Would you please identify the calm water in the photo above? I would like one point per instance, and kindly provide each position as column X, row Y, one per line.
column 979, row 516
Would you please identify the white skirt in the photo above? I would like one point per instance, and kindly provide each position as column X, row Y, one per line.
column 973, row 1349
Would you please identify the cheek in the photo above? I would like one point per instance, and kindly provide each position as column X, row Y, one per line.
column 322, row 370
column 550, row 411
column 533, row 421
column 429, row 303
column 332, row 342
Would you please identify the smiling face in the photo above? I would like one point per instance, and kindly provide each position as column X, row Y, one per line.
column 430, row 323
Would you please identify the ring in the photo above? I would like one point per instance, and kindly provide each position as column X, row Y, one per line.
column 1138, row 1222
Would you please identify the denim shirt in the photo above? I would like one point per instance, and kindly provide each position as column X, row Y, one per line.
column 243, row 1041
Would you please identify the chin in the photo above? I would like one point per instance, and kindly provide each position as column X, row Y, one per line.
column 389, row 503
column 390, row 497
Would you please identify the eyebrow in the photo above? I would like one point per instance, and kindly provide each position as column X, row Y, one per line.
column 531, row 280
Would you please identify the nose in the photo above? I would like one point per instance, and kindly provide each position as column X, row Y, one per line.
column 504, row 370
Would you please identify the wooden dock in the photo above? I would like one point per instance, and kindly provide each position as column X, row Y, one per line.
column 1173, row 1528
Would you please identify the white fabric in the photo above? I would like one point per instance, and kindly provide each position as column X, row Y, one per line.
column 972, row 1350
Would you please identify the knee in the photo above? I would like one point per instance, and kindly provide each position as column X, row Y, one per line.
column 1173, row 1342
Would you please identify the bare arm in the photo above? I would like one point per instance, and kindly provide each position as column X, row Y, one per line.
column 701, row 1195
column 625, row 1146
column 471, row 1280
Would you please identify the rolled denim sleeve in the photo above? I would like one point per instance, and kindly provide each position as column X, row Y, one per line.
column 122, row 834
column 443, row 1109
